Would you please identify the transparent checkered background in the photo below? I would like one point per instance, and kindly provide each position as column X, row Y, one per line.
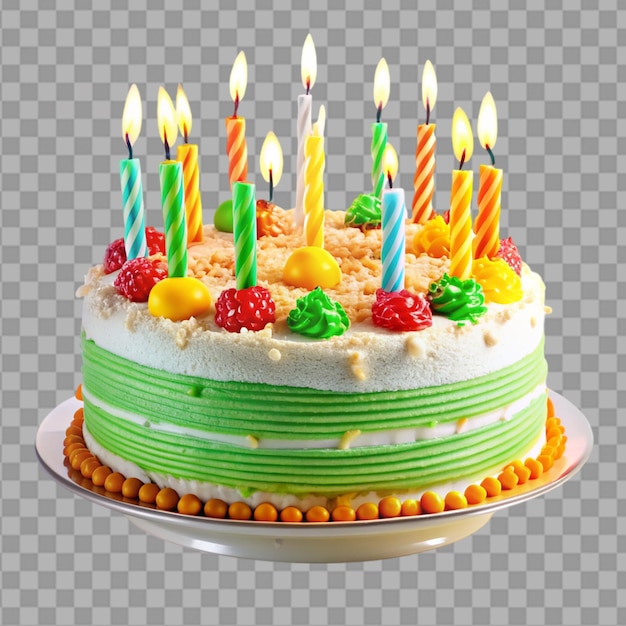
column 559, row 79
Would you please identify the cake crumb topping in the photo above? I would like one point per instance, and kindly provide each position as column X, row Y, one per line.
column 490, row 338
column 357, row 253
column 348, row 437
column 416, row 347
column 274, row 355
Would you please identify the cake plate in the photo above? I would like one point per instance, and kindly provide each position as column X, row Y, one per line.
column 313, row 542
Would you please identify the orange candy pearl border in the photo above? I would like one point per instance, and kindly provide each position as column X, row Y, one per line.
column 516, row 473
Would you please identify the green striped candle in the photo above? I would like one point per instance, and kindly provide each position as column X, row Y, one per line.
column 173, row 205
column 244, row 234
column 379, row 143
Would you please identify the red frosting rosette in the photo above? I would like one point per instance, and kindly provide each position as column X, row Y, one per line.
column 401, row 311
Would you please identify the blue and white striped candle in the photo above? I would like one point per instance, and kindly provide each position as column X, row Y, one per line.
column 132, row 197
column 130, row 175
column 393, row 244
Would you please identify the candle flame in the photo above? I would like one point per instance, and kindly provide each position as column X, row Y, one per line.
column 183, row 112
column 487, row 122
column 131, row 118
column 166, row 118
column 462, row 137
column 239, row 77
column 308, row 63
column 381, row 84
column 271, row 158
column 429, row 86
column 320, row 125
column 390, row 162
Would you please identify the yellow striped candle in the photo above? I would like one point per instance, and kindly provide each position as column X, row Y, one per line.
column 423, row 181
column 461, row 224
column 188, row 155
column 461, row 199
column 314, row 191
column 487, row 224
column 236, row 146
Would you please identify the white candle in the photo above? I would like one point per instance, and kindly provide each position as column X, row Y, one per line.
column 304, row 130
column 308, row 67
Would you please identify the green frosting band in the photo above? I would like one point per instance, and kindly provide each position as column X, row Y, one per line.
column 365, row 211
column 317, row 316
column 115, row 389
column 459, row 300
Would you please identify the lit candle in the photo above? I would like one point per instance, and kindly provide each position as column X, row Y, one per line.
column 487, row 223
column 172, row 191
column 188, row 155
column 379, row 130
column 314, row 184
column 130, row 175
column 236, row 126
column 308, row 71
column 423, row 181
column 461, row 199
column 271, row 161
column 244, row 234
column 393, row 223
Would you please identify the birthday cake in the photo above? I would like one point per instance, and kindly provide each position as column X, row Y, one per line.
column 350, row 411
column 328, row 365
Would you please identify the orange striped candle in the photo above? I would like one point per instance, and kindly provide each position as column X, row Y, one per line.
column 187, row 154
column 487, row 224
column 461, row 199
column 236, row 126
column 423, row 181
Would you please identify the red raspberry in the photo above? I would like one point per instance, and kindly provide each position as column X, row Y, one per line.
column 155, row 240
column 509, row 252
column 250, row 308
column 138, row 276
column 401, row 310
column 115, row 255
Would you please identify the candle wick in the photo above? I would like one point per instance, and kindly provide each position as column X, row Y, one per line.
column 236, row 103
column 427, row 111
column 462, row 160
column 378, row 112
column 185, row 133
column 271, row 185
column 308, row 85
column 493, row 159
column 390, row 180
column 130, row 147
column 167, row 145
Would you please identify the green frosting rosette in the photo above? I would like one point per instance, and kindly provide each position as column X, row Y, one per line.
column 317, row 316
column 364, row 212
column 459, row 300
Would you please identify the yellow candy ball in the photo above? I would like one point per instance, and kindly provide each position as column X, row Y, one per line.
column 179, row 298
column 312, row 267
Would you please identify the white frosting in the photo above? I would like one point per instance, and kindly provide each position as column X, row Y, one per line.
column 206, row 491
column 356, row 440
column 364, row 359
